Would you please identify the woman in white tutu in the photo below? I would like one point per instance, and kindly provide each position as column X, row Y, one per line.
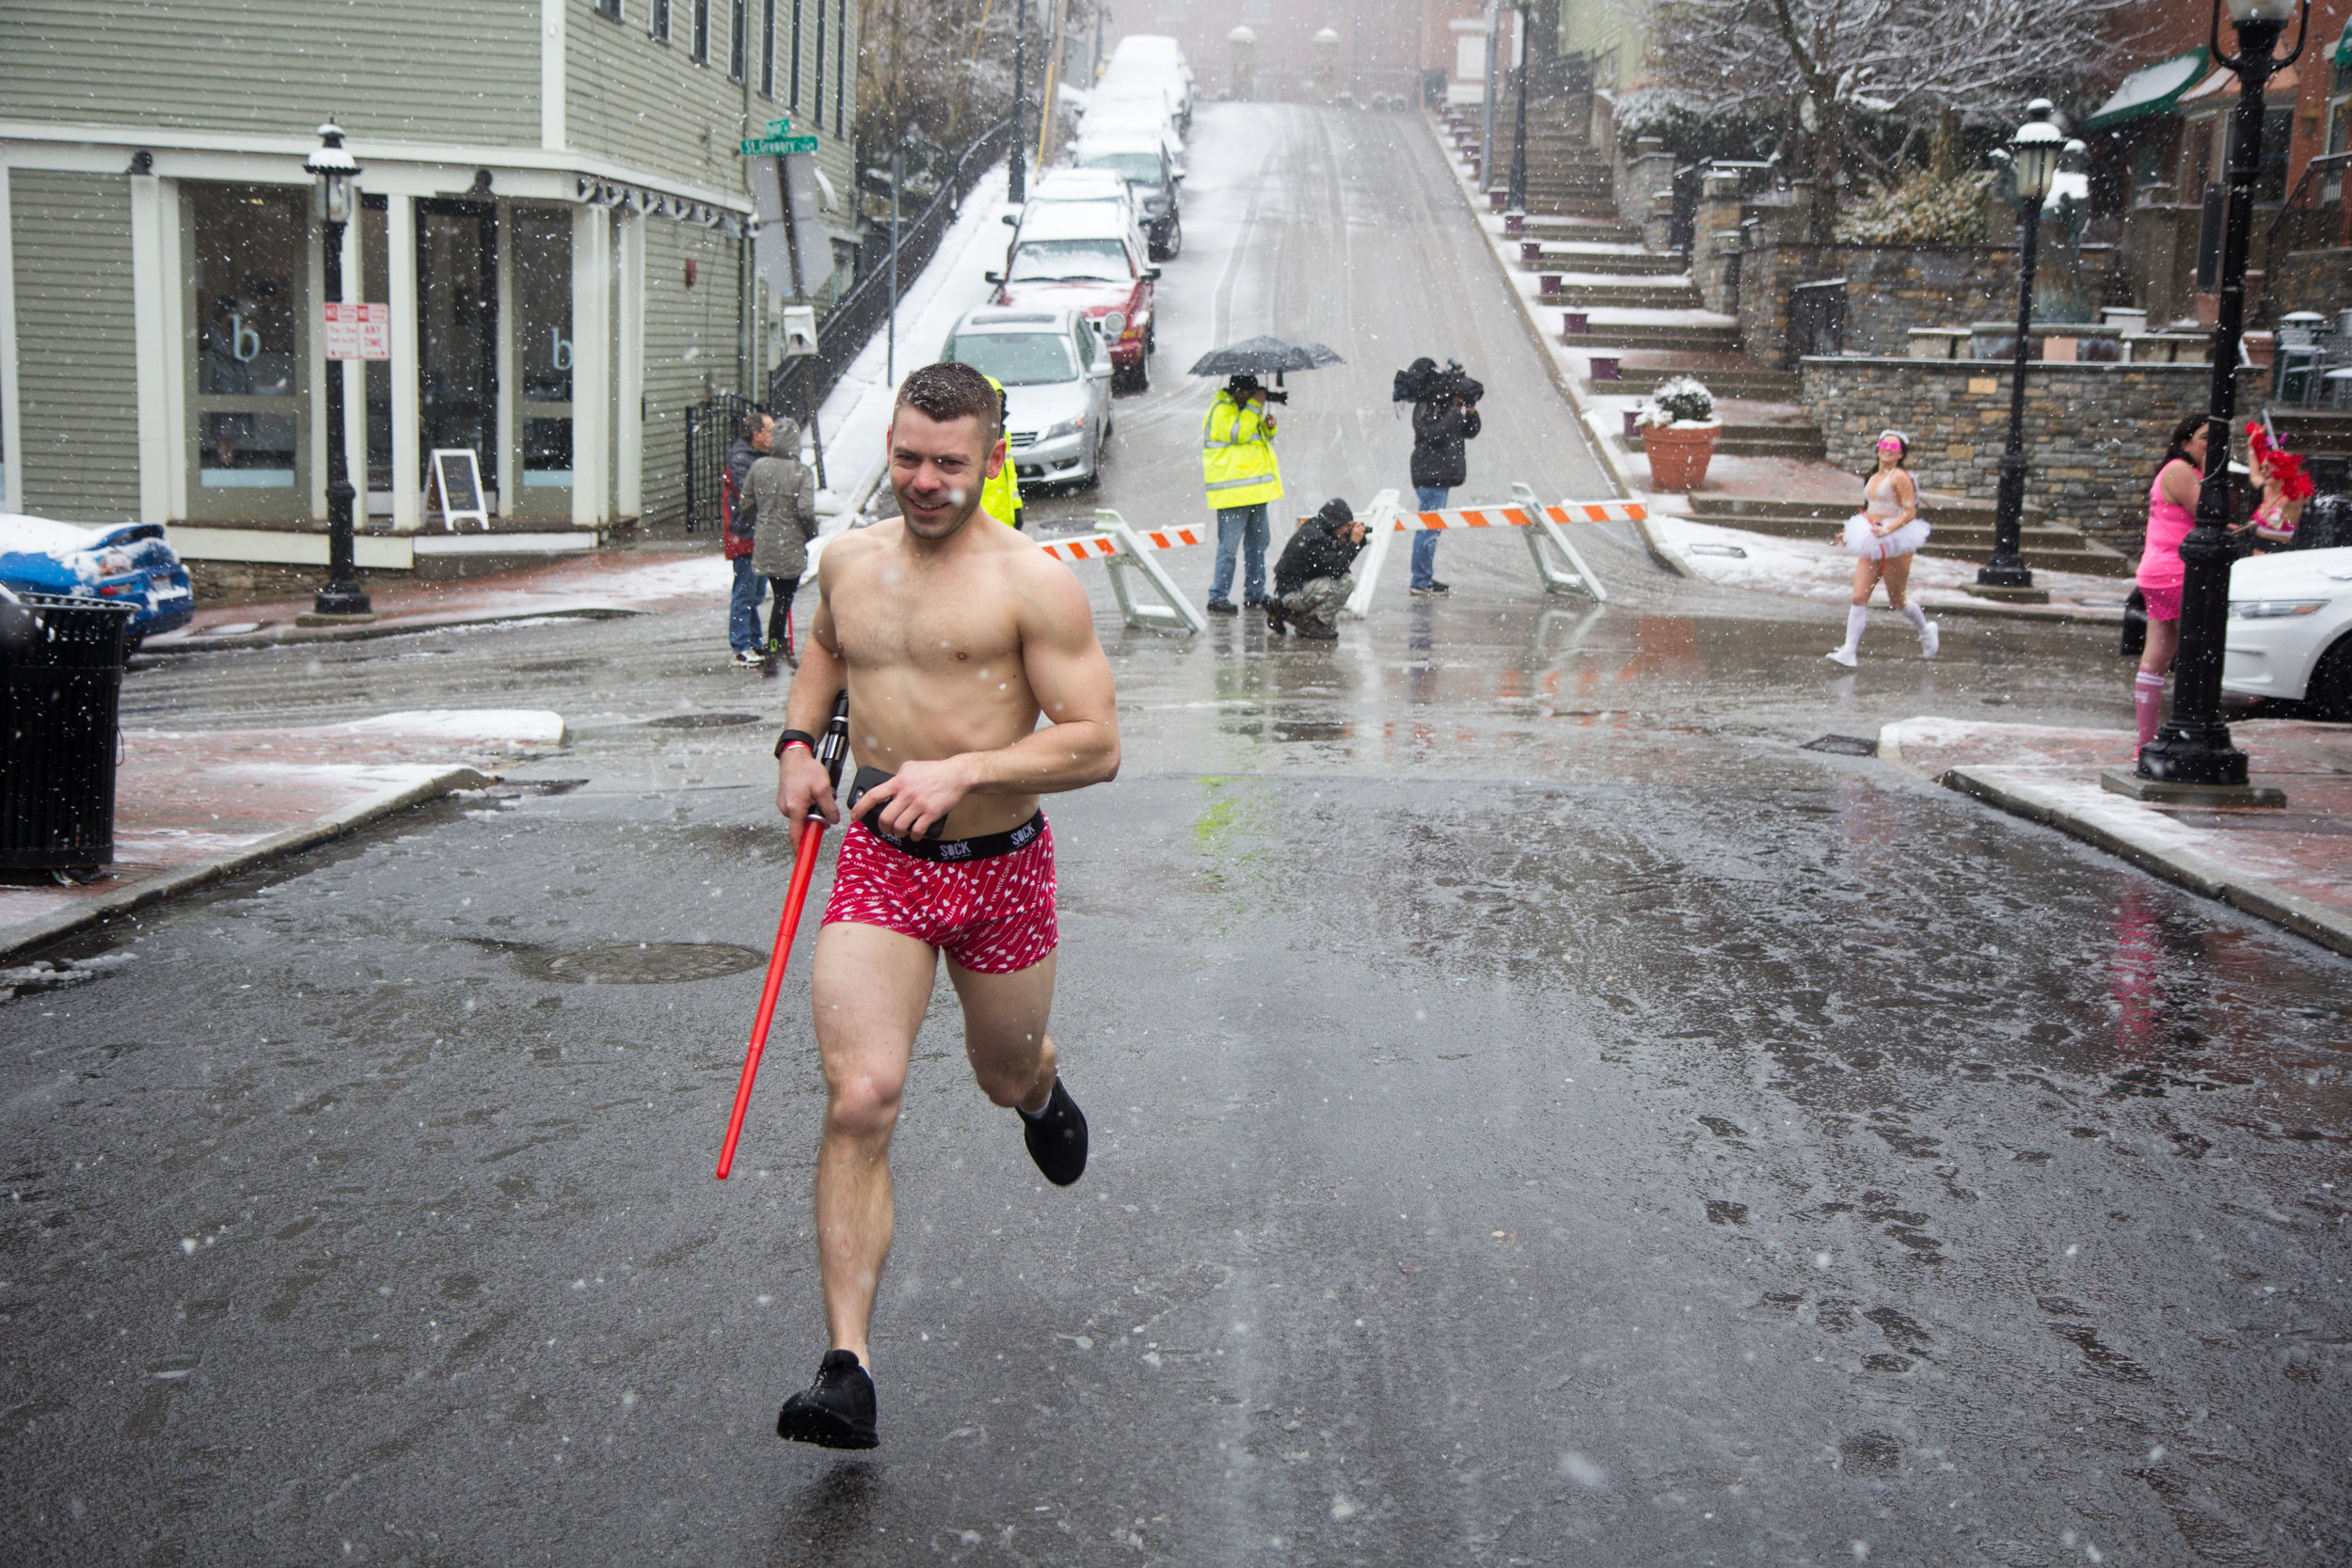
column 1884, row 536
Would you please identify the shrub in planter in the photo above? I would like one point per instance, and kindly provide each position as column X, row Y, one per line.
column 1679, row 433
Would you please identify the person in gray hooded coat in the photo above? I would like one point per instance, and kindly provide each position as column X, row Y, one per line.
column 780, row 495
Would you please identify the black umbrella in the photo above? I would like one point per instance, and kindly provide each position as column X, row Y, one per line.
column 1258, row 355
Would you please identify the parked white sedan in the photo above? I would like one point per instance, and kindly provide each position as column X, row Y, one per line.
column 2291, row 629
column 1056, row 376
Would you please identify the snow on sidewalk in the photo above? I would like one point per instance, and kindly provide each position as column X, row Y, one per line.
column 1821, row 570
column 856, row 412
column 191, row 806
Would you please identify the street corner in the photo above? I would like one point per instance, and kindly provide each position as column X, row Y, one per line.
column 193, row 806
column 2288, row 863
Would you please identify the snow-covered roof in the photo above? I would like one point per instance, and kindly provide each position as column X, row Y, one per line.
column 2149, row 90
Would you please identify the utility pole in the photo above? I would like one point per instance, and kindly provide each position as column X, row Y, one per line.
column 1016, row 176
column 1487, row 100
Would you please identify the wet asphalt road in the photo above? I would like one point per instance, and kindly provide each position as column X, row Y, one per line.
column 1542, row 1115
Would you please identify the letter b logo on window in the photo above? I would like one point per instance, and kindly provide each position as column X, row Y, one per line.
column 243, row 342
column 559, row 350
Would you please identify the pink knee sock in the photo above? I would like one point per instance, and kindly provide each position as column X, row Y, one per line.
column 2148, row 703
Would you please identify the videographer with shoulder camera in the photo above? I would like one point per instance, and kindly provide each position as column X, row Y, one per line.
column 1445, row 414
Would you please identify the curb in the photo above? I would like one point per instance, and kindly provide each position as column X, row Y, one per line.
column 1602, row 454
column 187, row 878
column 374, row 629
column 2200, row 874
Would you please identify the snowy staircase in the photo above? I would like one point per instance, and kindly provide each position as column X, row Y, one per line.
column 1962, row 529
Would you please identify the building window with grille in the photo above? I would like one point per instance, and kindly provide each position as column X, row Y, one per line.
column 657, row 21
column 767, row 48
column 2338, row 134
column 699, row 50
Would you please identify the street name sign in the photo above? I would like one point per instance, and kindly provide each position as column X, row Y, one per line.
column 777, row 147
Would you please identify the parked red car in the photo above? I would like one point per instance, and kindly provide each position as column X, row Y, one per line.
column 1072, row 256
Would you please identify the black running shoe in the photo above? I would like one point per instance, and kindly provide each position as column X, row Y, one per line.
column 1058, row 1137
column 835, row 1412
column 1221, row 607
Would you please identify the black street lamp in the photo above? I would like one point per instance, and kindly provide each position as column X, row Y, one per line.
column 2033, row 162
column 1515, row 199
column 2192, row 747
column 1016, row 175
column 2033, row 156
column 336, row 170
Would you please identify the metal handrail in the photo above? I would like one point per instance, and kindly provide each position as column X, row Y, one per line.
column 2327, row 160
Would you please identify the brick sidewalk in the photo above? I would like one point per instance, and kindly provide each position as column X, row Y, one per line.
column 191, row 808
column 612, row 582
column 2292, row 865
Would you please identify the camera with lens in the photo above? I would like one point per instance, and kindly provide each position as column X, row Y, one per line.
column 1275, row 394
column 1425, row 381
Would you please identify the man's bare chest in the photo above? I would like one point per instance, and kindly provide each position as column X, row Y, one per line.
column 951, row 630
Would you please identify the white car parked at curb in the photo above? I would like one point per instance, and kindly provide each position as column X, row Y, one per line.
column 1057, row 374
column 2290, row 629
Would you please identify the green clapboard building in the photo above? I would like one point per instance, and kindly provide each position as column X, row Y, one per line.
column 553, row 209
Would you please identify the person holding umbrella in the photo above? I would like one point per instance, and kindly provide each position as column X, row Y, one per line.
column 1238, row 468
column 1237, row 454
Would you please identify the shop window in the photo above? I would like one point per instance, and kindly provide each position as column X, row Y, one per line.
column 543, row 355
column 375, row 285
column 247, row 276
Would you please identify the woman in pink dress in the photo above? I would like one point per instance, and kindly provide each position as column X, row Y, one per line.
column 2171, row 512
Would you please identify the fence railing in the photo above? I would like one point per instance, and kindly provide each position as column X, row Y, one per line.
column 798, row 389
column 711, row 426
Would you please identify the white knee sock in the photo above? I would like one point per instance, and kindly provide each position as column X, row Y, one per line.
column 1918, row 617
column 1857, row 617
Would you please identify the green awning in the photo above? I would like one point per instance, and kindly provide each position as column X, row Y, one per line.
column 2343, row 47
column 2152, row 89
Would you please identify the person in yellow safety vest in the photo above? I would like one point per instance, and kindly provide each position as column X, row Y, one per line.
column 1237, row 467
column 1000, row 498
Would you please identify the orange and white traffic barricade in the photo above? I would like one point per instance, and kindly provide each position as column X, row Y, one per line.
column 1123, row 549
column 1557, row 563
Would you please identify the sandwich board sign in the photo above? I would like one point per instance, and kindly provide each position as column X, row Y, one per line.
column 458, row 479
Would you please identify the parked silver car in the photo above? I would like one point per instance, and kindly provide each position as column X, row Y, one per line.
column 2290, row 629
column 1057, row 374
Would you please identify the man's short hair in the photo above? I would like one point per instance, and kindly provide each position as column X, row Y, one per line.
column 754, row 422
column 948, row 390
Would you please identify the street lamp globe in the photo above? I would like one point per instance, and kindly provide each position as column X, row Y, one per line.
column 334, row 169
column 2034, row 153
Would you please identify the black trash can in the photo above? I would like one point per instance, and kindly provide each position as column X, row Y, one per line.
column 60, row 704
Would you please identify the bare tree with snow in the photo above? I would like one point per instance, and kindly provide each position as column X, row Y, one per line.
column 1832, row 70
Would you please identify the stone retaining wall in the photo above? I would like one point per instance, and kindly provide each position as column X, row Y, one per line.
column 1889, row 289
column 2093, row 433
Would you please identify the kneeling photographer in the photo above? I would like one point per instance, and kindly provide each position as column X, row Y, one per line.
column 1445, row 416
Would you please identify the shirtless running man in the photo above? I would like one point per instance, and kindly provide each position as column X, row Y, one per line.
column 954, row 640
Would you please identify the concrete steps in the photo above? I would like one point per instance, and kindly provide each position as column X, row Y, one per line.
column 1604, row 336
column 1629, row 296
column 1615, row 264
column 1761, row 386
column 1795, row 440
column 1963, row 528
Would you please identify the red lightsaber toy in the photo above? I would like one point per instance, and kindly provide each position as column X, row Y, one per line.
column 830, row 750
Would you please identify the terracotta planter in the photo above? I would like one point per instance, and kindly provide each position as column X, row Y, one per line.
column 1679, row 455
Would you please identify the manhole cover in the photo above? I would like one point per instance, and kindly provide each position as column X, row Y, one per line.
column 1842, row 746
column 637, row 964
column 703, row 720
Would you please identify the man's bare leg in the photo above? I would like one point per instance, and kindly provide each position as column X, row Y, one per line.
column 1014, row 1061
column 871, row 988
